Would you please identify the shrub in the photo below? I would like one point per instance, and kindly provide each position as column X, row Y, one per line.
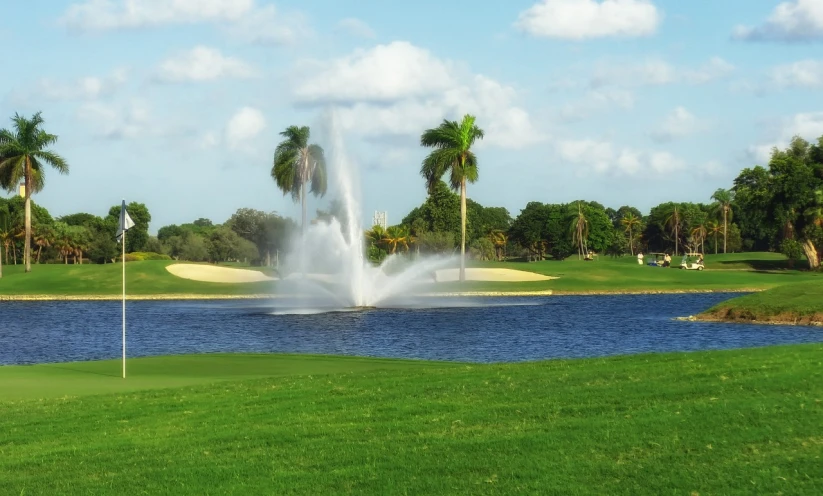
column 140, row 256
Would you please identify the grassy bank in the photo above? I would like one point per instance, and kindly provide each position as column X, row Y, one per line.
column 745, row 271
column 729, row 422
column 800, row 303
column 142, row 278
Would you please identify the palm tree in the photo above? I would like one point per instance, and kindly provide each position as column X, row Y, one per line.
column 699, row 235
column 376, row 235
column 499, row 239
column 630, row 222
column 712, row 227
column 452, row 154
column 24, row 154
column 724, row 198
column 673, row 223
column 814, row 214
column 580, row 231
column 297, row 163
column 42, row 237
column 396, row 235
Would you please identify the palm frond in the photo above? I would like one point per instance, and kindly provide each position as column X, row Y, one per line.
column 53, row 160
column 284, row 171
column 319, row 179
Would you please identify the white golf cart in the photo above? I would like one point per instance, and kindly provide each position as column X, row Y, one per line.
column 692, row 261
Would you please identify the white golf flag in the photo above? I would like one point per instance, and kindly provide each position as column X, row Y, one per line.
column 125, row 221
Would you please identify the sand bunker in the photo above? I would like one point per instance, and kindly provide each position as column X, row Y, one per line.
column 497, row 275
column 213, row 273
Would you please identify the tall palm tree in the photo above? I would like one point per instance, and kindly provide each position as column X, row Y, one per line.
column 713, row 228
column 580, row 231
column 452, row 154
column 630, row 222
column 24, row 154
column 673, row 221
column 297, row 163
column 724, row 198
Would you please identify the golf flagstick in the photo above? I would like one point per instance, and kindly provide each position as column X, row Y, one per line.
column 125, row 224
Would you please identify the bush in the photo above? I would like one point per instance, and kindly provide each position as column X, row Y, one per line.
column 140, row 256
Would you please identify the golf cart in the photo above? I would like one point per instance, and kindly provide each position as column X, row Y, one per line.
column 692, row 261
column 657, row 260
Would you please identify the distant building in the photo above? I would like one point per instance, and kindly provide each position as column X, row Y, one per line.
column 23, row 190
column 380, row 219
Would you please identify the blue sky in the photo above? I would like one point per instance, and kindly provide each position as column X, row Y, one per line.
column 178, row 103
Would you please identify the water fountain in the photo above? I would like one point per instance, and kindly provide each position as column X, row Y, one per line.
column 327, row 268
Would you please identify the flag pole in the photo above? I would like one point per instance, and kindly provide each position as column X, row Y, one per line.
column 123, row 261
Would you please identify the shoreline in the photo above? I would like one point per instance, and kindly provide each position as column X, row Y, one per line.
column 800, row 321
column 458, row 294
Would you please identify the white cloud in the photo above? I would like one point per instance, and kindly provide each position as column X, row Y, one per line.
column 595, row 101
column 801, row 74
column 246, row 124
column 795, row 20
column 201, row 64
column 654, row 72
column 603, row 157
column 678, row 124
column 356, row 27
column 715, row 68
column 104, row 15
column 87, row 88
column 118, row 121
column 400, row 89
column 241, row 19
column 269, row 26
column 586, row 19
column 806, row 125
column 381, row 74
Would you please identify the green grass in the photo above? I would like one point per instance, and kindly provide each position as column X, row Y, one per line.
column 793, row 303
column 740, row 271
column 142, row 278
column 744, row 271
column 727, row 422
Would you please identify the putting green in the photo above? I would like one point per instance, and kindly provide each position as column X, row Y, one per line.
column 55, row 380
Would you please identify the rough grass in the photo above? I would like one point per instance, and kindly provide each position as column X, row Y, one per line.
column 799, row 303
column 724, row 422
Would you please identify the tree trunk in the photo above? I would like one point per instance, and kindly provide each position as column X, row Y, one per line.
column 81, row 257
column 39, row 250
column 811, row 254
column 725, row 230
column 303, row 201
column 676, row 238
column 715, row 243
column 463, row 230
column 1, row 264
column 631, row 241
column 27, row 243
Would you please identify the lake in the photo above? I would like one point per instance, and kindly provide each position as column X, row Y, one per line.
column 506, row 329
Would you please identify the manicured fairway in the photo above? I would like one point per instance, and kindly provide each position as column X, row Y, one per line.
column 740, row 271
column 143, row 278
column 729, row 422
column 57, row 380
